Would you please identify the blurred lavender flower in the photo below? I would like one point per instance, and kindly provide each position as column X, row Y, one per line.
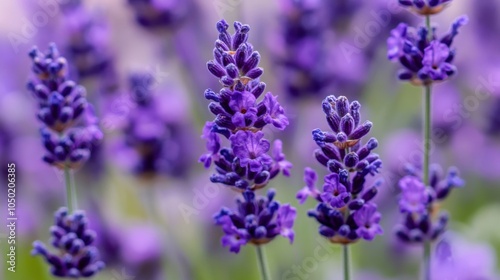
column 424, row 60
column 301, row 47
column 345, row 211
column 458, row 258
column 159, row 142
column 76, row 256
column 258, row 220
column 419, row 204
column 425, row 7
column 70, row 124
column 246, row 164
column 153, row 14
column 88, row 44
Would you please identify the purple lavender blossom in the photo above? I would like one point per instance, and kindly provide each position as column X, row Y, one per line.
column 302, row 47
column 250, row 161
column 157, row 14
column 70, row 127
column 235, row 62
column 345, row 210
column 418, row 204
column 425, row 7
column 87, row 42
column 158, row 142
column 414, row 195
column 424, row 60
column 240, row 117
column 458, row 258
column 258, row 220
column 76, row 257
column 367, row 219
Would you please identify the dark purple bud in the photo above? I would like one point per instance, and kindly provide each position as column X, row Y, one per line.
column 356, row 204
column 46, row 116
column 215, row 69
column 241, row 184
column 334, row 166
column 331, row 152
column 361, row 130
column 66, row 114
column 354, row 110
column 424, row 224
column 241, row 55
column 326, row 231
column 342, row 106
column 370, row 194
column 216, row 109
column 56, row 101
column 262, row 178
column 255, row 73
column 320, row 157
column 419, row 3
column 66, row 88
column 351, row 159
column 227, row 81
column 347, row 124
column 344, row 230
column 258, row 90
column 227, row 59
column 251, row 62
column 220, row 45
column 41, row 92
column 402, row 234
column 211, row 95
column 416, row 235
column 232, row 71
column 334, row 122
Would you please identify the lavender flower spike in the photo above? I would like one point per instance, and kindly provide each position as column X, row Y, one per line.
column 424, row 60
column 70, row 127
column 245, row 160
column 76, row 257
column 258, row 220
column 418, row 203
column 425, row 7
column 346, row 212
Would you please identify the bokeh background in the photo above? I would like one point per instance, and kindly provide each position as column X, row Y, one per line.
column 326, row 47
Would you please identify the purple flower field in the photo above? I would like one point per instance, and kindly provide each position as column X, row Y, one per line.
column 250, row 140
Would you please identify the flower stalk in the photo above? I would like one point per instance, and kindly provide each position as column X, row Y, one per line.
column 261, row 256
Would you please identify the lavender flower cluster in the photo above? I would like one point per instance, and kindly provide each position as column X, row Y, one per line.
column 69, row 125
column 156, row 140
column 68, row 134
column 425, row 58
column 346, row 210
column 419, row 204
column 245, row 165
column 76, row 256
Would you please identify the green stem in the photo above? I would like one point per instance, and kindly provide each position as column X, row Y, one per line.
column 347, row 268
column 264, row 271
column 70, row 189
column 426, row 273
column 426, row 262
column 428, row 25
